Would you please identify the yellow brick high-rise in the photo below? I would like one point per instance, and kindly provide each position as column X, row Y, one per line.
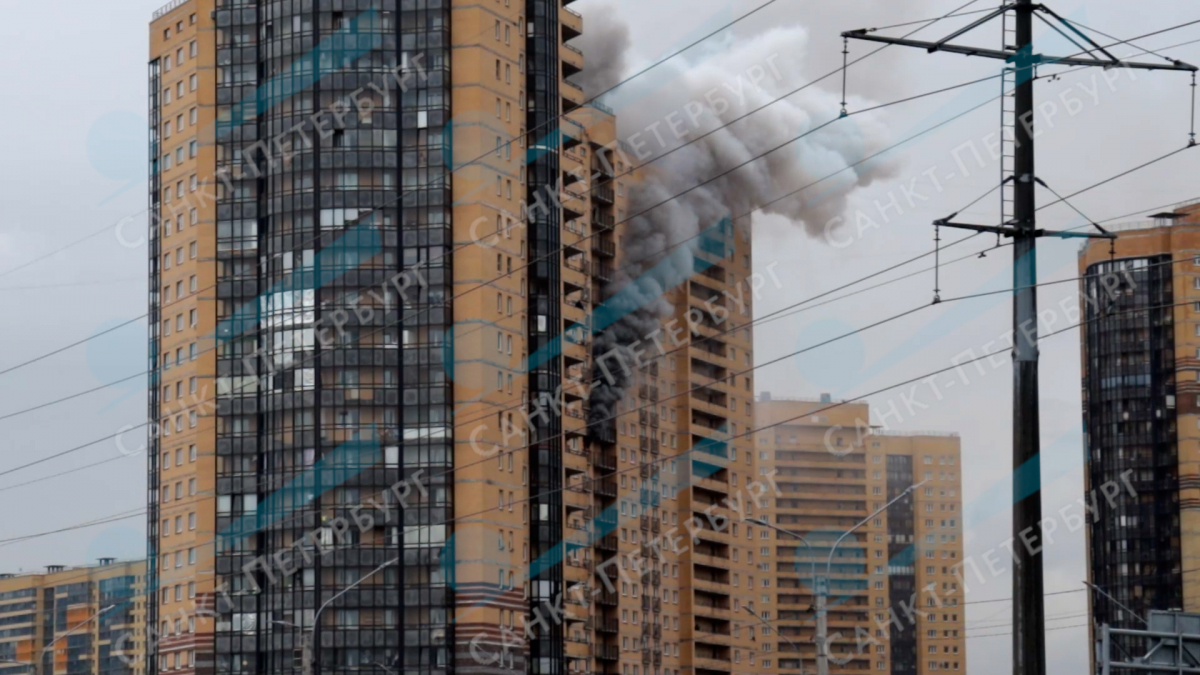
column 380, row 231
column 74, row 620
column 833, row 470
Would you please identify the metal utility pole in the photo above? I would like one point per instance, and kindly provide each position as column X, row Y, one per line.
column 1029, row 648
column 822, row 584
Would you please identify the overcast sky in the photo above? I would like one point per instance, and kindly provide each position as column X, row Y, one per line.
column 74, row 140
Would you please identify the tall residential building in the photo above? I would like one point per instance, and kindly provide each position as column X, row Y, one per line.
column 833, row 470
column 372, row 244
column 689, row 567
column 74, row 620
column 1141, row 361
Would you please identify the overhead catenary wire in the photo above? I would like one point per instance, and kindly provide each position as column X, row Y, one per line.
column 472, row 162
column 632, row 170
column 747, row 433
column 708, row 133
column 132, row 427
column 790, row 194
column 112, row 436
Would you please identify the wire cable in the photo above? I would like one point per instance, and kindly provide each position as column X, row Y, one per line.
column 644, row 211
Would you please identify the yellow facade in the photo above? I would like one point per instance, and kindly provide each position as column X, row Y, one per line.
column 681, row 607
column 832, row 470
column 74, row 620
column 1143, row 436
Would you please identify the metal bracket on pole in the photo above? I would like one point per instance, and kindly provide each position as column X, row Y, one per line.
column 1029, row 640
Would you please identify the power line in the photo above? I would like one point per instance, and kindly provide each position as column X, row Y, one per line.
column 73, row 344
column 661, row 203
column 816, row 182
column 633, row 170
column 124, row 515
column 463, row 166
column 748, row 433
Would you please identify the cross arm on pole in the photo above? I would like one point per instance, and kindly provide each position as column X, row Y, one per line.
column 1078, row 32
column 1009, row 55
column 1008, row 231
column 970, row 27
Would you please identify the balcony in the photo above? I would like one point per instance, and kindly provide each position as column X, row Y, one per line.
column 602, row 221
column 712, row 611
column 706, row 663
column 603, row 193
column 602, row 271
column 573, row 202
column 711, row 586
column 572, row 167
column 608, row 653
column 572, row 60
column 572, row 96
column 606, row 487
column 605, row 460
column 608, row 626
column 572, row 24
column 709, row 561
column 602, row 167
column 604, row 247
column 607, row 543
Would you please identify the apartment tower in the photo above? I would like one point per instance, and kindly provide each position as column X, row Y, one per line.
column 1141, row 360
column 833, row 469
column 377, row 255
column 674, row 545
column 74, row 620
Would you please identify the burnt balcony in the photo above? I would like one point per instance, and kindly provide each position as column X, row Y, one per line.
column 602, row 221
column 605, row 460
column 604, row 247
column 602, row 271
column 604, row 193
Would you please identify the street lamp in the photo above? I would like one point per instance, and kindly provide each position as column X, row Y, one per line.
column 799, row 656
column 387, row 670
column 310, row 638
column 33, row 665
column 812, row 560
column 823, row 588
column 822, row 585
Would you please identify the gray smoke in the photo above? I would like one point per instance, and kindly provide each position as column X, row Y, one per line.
column 604, row 43
column 680, row 101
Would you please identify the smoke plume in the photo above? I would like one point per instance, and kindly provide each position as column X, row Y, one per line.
column 604, row 43
column 660, row 112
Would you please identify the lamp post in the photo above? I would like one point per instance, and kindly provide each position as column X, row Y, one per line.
column 823, row 587
column 309, row 639
column 379, row 665
column 33, row 665
column 812, row 561
column 799, row 656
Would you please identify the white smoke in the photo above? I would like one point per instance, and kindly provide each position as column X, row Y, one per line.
column 682, row 100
